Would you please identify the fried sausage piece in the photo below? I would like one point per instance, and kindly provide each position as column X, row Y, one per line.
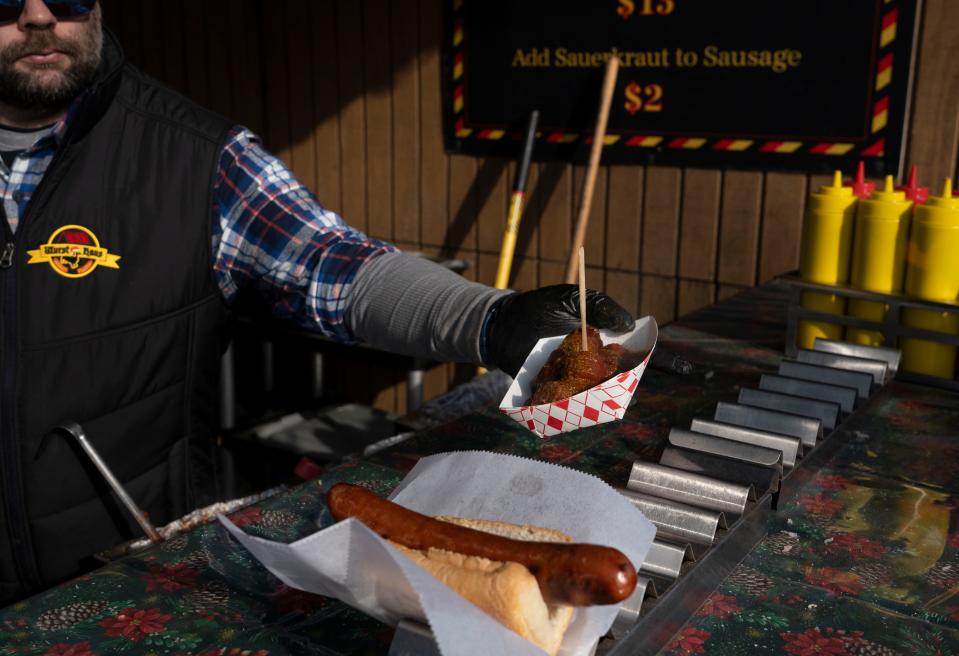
column 570, row 370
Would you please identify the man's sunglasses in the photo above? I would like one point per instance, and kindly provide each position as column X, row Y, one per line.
column 10, row 9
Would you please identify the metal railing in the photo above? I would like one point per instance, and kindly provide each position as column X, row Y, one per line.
column 891, row 327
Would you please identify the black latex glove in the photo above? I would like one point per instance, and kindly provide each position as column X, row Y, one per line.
column 518, row 321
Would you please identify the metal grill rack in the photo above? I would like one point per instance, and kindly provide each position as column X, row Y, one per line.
column 716, row 482
column 891, row 327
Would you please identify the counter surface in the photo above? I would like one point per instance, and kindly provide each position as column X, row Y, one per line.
column 864, row 560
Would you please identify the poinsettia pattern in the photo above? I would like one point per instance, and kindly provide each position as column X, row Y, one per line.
column 820, row 504
column 719, row 605
column 855, row 545
column 832, row 481
column 135, row 624
column 834, row 580
column 171, row 577
column 689, row 641
column 821, row 642
column 247, row 516
column 63, row 649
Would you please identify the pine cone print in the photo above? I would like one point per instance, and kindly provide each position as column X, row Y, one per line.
column 277, row 519
column 57, row 619
column 944, row 575
column 821, row 521
column 863, row 647
column 750, row 580
column 874, row 573
column 209, row 598
column 309, row 502
column 196, row 560
column 176, row 543
column 782, row 543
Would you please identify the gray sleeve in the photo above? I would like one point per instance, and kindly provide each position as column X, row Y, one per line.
column 406, row 304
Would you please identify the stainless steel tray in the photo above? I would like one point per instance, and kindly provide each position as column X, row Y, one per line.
column 710, row 497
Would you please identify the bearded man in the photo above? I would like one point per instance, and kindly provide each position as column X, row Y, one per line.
column 133, row 218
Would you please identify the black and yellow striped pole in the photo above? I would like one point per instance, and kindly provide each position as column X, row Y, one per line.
column 516, row 205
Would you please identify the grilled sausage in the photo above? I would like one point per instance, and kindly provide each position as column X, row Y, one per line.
column 571, row 574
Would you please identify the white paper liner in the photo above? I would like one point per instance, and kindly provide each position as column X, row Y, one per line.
column 604, row 402
column 351, row 563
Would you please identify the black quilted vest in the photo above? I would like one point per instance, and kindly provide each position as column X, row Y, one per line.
column 109, row 317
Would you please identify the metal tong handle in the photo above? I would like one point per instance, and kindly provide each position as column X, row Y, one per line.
column 74, row 430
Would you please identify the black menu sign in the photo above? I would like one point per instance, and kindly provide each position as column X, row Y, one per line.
column 790, row 84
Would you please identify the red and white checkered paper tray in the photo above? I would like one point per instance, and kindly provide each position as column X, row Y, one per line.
column 597, row 405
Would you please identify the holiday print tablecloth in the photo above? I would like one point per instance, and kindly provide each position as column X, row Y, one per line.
column 864, row 560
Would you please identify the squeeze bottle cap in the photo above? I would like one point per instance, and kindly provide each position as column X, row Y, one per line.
column 861, row 187
column 832, row 198
column 836, row 188
column 915, row 193
column 943, row 209
column 888, row 193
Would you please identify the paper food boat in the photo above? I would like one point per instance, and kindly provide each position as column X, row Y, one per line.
column 597, row 405
column 350, row 562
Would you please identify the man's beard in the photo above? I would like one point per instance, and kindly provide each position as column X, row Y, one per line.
column 41, row 94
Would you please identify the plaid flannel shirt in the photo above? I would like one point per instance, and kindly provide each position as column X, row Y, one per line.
column 270, row 233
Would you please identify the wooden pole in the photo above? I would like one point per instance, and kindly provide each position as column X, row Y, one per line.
column 595, row 154
column 582, row 295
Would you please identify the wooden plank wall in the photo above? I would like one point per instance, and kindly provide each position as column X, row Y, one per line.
column 348, row 93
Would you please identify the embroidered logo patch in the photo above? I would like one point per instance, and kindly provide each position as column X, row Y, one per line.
column 73, row 252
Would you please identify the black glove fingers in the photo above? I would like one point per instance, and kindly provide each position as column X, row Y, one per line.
column 521, row 319
column 604, row 312
column 567, row 298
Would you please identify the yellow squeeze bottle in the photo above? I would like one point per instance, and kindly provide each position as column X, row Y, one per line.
column 824, row 255
column 932, row 274
column 878, row 256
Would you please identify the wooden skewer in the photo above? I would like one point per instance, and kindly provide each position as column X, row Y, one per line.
column 582, row 294
column 609, row 84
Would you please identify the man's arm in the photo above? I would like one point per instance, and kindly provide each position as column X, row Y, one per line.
column 405, row 304
column 271, row 235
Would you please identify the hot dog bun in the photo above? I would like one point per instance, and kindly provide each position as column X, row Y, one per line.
column 506, row 591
